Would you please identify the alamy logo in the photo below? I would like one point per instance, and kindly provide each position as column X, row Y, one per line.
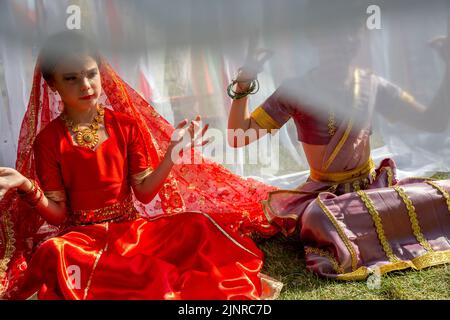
column 73, row 277
column 374, row 20
column 73, row 21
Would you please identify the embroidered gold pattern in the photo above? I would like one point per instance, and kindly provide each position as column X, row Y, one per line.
column 341, row 233
column 441, row 190
column 337, row 268
column 378, row 225
column 390, row 175
column 331, row 123
column 120, row 211
column 426, row 260
column 413, row 218
column 359, row 274
column 9, row 240
column 430, row 259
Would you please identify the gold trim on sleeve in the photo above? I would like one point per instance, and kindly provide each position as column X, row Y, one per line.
column 413, row 219
column 405, row 96
column 264, row 120
column 138, row 178
column 57, row 196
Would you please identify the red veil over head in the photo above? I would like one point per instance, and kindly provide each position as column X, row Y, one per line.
column 232, row 201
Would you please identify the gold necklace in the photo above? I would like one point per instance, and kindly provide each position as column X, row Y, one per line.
column 87, row 137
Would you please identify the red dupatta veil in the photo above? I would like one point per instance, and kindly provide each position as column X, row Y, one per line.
column 208, row 187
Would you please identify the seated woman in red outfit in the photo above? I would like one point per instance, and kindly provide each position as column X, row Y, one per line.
column 95, row 164
column 352, row 217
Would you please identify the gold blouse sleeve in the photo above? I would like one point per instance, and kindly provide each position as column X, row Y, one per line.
column 264, row 120
column 57, row 196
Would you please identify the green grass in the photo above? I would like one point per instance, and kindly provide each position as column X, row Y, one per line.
column 285, row 262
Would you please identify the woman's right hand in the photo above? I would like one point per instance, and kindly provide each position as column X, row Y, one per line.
column 11, row 178
column 187, row 135
column 254, row 62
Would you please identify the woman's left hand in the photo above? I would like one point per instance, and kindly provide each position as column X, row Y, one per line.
column 442, row 44
column 186, row 136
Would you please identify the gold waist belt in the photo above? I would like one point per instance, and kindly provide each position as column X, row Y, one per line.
column 120, row 211
column 343, row 176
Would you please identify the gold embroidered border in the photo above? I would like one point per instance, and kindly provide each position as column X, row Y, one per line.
column 359, row 274
column 413, row 219
column 120, row 211
column 264, row 120
column 57, row 196
column 430, row 259
column 426, row 260
column 344, row 138
column 337, row 268
column 441, row 190
column 331, row 123
column 97, row 258
column 10, row 247
column 378, row 225
column 341, row 233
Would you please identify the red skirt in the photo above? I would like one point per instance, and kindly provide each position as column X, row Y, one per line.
column 183, row 256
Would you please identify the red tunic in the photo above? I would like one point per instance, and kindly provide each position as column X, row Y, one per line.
column 183, row 256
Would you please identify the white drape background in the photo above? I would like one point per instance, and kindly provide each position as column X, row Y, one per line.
column 180, row 55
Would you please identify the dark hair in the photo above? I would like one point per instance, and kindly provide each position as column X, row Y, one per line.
column 62, row 44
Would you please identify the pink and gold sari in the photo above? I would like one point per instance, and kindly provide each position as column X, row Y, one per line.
column 354, row 217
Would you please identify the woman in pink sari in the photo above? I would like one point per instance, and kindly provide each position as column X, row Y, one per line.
column 352, row 216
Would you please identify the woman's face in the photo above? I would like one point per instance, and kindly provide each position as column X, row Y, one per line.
column 77, row 80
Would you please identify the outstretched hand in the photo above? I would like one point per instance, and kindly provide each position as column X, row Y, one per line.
column 254, row 62
column 187, row 135
column 442, row 44
column 9, row 179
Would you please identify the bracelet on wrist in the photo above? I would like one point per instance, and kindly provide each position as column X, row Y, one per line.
column 252, row 89
column 33, row 196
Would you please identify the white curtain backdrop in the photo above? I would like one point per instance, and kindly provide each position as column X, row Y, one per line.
column 181, row 55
